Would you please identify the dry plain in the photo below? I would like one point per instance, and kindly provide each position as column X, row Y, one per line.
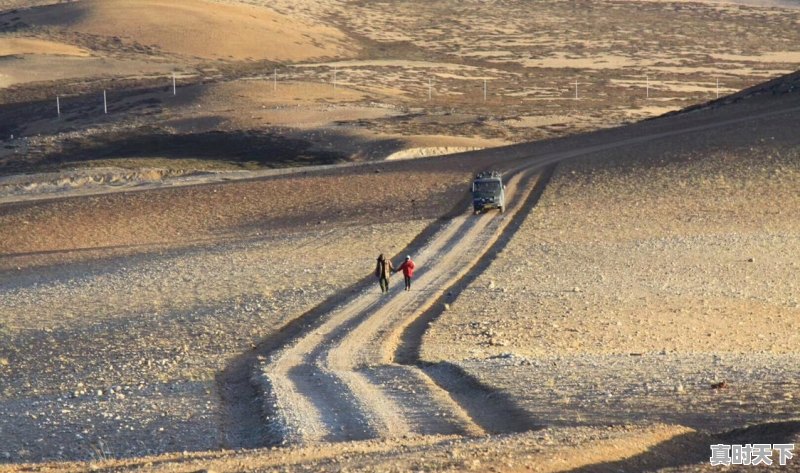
column 152, row 275
column 404, row 78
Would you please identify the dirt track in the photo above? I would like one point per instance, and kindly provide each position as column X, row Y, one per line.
column 355, row 358
column 341, row 379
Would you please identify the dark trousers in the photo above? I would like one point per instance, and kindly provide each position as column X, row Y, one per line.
column 384, row 281
column 407, row 279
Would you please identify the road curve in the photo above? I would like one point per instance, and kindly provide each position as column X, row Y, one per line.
column 338, row 380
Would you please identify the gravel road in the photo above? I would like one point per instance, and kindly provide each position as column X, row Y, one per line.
column 593, row 309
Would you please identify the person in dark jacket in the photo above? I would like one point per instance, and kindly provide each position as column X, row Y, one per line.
column 383, row 270
column 408, row 271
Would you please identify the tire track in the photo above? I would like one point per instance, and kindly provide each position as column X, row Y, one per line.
column 356, row 373
column 338, row 381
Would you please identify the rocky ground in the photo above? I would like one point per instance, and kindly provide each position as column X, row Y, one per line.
column 404, row 78
column 549, row 342
column 644, row 307
column 115, row 336
column 120, row 357
column 653, row 282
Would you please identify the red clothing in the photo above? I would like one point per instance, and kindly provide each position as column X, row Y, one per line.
column 408, row 268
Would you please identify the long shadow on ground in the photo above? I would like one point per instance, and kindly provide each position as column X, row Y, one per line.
column 693, row 448
column 493, row 410
column 246, row 422
column 246, row 414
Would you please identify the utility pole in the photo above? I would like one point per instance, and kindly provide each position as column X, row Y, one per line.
column 647, row 78
column 58, row 106
column 174, row 88
column 105, row 103
column 576, row 89
column 484, row 90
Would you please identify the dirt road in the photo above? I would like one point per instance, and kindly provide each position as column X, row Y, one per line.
column 350, row 368
column 342, row 378
column 339, row 381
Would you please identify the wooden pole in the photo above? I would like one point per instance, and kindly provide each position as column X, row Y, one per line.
column 430, row 88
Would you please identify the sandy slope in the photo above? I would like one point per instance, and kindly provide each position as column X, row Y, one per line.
column 12, row 46
column 195, row 28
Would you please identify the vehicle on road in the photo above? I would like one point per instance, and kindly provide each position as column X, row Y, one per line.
column 488, row 192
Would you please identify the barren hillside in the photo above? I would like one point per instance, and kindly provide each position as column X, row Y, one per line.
column 190, row 28
column 545, row 325
column 355, row 78
column 187, row 268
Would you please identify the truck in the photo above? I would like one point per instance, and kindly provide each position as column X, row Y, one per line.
column 488, row 192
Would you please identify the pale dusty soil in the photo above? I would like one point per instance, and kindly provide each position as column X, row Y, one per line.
column 629, row 253
column 549, row 450
column 16, row 70
column 194, row 29
column 86, row 361
column 642, row 278
column 11, row 46
column 124, row 314
column 115, row 334
column 216, row 301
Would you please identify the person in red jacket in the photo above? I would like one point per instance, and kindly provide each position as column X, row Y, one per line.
column 408, row 271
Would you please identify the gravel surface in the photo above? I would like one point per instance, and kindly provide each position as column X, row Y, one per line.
column 657, row 283
column 111, row 334
column 119, row 357
column 707, row 392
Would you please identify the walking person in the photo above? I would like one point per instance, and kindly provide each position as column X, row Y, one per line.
column 408, row 271
column 383, row 269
